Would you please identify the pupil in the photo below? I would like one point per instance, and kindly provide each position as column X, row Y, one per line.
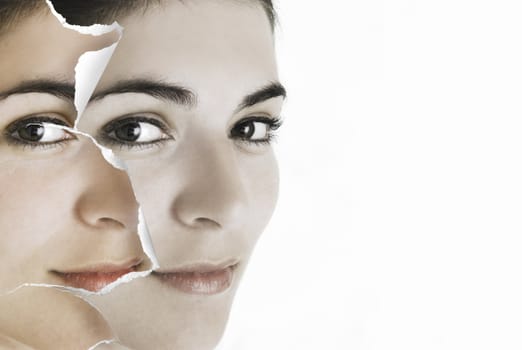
column 129, row 132
column 247, row 131
column 32, row 132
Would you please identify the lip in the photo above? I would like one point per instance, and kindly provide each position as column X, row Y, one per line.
column 200, row 278
column 96, row 277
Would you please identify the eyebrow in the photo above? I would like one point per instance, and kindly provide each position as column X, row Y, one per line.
column 272, row 90
column 61, row 89
column 181, row 95
column 157, row 89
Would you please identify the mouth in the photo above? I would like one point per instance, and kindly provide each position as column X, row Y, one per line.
column 96, row 277
column 200, row 279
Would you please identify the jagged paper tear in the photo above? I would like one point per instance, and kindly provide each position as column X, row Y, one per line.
column 88, row 72
column 95, row 29
column 112, row 344
column 10, row 343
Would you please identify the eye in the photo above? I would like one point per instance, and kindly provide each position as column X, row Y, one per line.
column 135, row 131
column 255, row 129
column 38, row 131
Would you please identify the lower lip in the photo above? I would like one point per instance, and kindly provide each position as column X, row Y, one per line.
column 199, row 283
column 92, row 281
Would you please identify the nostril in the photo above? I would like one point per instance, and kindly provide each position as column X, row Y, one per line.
column 203, row 222
column 214, row 212
column 109, row 223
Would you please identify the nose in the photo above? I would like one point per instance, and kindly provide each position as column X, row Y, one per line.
column 212, row 195
column 107, row 200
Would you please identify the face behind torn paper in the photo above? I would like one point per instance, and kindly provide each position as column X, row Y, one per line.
column 68, row 217
column 191, row 100
column 204, row 227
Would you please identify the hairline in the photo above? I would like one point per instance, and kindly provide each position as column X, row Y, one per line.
column 137, row 7
column 27, row 8
column 20, row 13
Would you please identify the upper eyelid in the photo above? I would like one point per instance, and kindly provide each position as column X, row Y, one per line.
column 17, row 141
column 112, row 124
column 258, row 117
column 13, row 126
column 104, row 133
column 126, row 118
column 273, row 122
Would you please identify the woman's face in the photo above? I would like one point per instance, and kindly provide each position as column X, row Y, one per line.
column 65, row 214
column 191, row 101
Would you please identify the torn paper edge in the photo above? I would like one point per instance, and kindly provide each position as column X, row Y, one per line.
column 72, row 291
column 84, row 292
column 143, row 231
column 95, row 29
column 88, row 72
column 146, row 240
column 103, row 342
column 107, row 153
column 91, row 64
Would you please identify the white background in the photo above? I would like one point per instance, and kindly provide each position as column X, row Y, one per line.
column 400, row 215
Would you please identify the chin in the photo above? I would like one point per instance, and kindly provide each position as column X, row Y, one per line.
column 145, row 314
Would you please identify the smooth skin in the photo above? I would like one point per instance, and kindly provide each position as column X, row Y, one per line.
column 63, row 207
column 203, row 168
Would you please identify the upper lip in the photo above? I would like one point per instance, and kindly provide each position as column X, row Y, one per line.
column 201, row 267
column 104, row 267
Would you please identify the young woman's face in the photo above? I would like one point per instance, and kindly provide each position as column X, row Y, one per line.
column 191, row 101
column 64, row 211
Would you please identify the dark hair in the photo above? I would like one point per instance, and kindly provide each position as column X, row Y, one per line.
column 13, row 11
column 87, row 12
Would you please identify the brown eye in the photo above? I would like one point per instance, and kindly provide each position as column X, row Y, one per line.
column 251, row 130
column 42, row 133
column 134, row 131
column 38, row 131
column 31, row 132
column 129, row 132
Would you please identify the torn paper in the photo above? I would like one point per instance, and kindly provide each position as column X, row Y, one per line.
column 95, row 29
column 89, row 70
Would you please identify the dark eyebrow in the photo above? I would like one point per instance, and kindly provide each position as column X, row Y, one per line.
column 182, row 95
column 157, row 89
column 60, row 89
column 267, row 92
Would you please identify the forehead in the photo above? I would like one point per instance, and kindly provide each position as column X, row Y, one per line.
column 201, row 44
column 39, row 47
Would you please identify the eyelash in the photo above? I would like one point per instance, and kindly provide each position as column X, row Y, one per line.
column 115, row 124
column 17, row 142
column 273, row 124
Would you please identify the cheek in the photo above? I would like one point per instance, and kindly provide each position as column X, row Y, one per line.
column 37, row 201
column 150, row 182
column 261, row 175
column 30, row 204
column 27, row 203
column 158, row 183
